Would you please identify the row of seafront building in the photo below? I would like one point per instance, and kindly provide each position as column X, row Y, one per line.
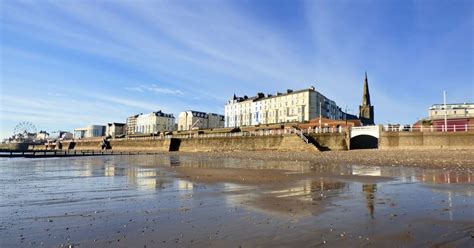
column 307, row 108
column 156, row 122
column 301, row 106
column 291, row 106
column 162, row 122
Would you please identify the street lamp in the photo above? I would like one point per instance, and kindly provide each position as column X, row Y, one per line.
column 320, row 115
column 445, row 112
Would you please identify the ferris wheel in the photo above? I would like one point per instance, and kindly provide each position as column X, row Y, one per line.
column 24, row 127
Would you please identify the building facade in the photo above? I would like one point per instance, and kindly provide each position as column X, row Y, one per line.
column 452, row 111
column 115, row 129
column 190, row 119
column 89, row 131
column 154, row 122
column 131, row 124
column 42, row 135
column 292, row 106
column 64, row 135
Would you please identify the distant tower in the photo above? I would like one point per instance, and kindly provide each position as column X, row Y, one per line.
column 366, row 111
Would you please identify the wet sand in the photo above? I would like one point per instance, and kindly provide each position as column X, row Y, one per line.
column 451, row 159
column 239, row 199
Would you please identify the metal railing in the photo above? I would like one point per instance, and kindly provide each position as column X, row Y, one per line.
column 271, row 132
column 325, row 130
column 431, row 128
column 301, row 134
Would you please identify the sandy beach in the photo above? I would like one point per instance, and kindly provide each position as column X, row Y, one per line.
column 249, row 199
column 461, row 159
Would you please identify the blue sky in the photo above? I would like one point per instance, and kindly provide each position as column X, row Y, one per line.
column 66, row 64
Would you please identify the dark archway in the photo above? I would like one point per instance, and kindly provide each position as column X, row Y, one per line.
column 364, row 142
column 174, row 144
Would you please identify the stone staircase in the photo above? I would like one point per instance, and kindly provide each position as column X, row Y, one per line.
column 310, row 141
column 295, row 143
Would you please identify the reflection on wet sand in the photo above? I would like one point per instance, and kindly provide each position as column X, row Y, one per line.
column 197, row 200
column 299, row 199
column 142, row 178
column 445, row 177
column 137, row 177
column 369, row 193
column 366, row 170
column 185, row 185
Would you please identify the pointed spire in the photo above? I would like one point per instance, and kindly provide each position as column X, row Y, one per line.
column 235, row 97
column 366, row 94
column 366, row 110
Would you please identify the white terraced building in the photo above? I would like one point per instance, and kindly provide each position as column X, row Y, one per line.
column 292, row 106
column 89, row 131
column 154, row 122
column 452, row 111
column 200, row 120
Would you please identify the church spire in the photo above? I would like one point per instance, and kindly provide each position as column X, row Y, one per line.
column 366, row 110
column 366, row 94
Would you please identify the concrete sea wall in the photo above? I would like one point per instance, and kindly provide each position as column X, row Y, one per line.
column 426, row 140
column 330, row 141
column 163, row 145
column 81, row 145
column 245, row 143
column 14, row 146
column 251, row 143
column 290, row 142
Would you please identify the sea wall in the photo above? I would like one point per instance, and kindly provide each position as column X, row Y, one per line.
column 81, row 145
column 426, row 140
column 159, row 145
column 330, row 141
column 250, row 143
column 38, row 147
column 14, row 146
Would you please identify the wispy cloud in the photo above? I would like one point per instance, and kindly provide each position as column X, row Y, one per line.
column 155, row 89
column 207, row 50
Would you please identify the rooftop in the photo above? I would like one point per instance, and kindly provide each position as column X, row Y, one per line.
column 262, row 96
column 452, row 105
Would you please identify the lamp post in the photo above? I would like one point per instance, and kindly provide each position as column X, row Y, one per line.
column 345, row 115
column 320, row 116
column 445, row 113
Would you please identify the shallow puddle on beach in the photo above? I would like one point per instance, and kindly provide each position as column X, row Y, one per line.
column 182, row 200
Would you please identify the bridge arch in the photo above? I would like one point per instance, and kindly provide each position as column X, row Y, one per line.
column 366, row 137
column 364, row 141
